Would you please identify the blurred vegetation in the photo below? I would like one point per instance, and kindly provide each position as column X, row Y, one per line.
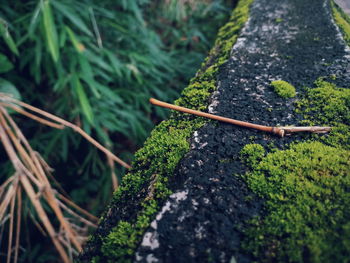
column 96, row 63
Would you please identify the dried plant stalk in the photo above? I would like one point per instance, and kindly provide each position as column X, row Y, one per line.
column 280, row 131
column 8, row 100
column 31, row 177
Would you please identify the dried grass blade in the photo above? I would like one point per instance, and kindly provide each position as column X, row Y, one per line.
column 82, row 219
column 43, row 217
column 70, row 125
column 18, row 225
column 32, row 116
column 57, row 210
column 12, row 216
column 6, row 201
column 69, row 202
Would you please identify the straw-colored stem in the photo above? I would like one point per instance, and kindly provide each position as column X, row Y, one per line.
column 72, row 126
column 43, row 217
column 69, row 202
column 57, row 210
column 32, row 116
column 3, row 186
column 12, row 217
column 274, row 130
column 22, row 152
column 6, row 201
column 83, row 220
column 18, row 225
column 113, row 175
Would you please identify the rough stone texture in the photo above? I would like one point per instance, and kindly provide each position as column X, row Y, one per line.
column 293, row 40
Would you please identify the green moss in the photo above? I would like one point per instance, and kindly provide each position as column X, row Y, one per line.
column 166, row 146
column 333, row 102
column 283, row 88
column 306, row 187
column 279, row 20
column 342, row 20
column 252, row 153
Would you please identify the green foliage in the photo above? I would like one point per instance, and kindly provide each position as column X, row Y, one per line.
column 342, row 20
column 283, row 88
column 99, row 67
column 155, row 162
column 96, row 64
column 5, row 64
column 306, row 187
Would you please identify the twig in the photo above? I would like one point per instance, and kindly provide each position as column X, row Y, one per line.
column 280, row 131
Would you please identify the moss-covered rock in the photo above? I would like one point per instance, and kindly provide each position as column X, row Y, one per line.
column 306, row 187
column 145, row 188
column 305, row 184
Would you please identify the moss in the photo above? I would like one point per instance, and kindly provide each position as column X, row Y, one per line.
column 169, row 142
column 279, row 20
column 327, row 98
column 252, row 153
column 342, row 20
column 283, row 88
column 306, row 187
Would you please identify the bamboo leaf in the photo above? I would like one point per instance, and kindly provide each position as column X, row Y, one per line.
column 9, row 88
column 77, row 45
column 50, row 30
column 5, row 64
column 88, row 76
column 83, row 99
column 72, row 16
column 7, row 38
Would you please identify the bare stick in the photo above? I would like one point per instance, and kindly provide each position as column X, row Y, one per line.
column 281, row 131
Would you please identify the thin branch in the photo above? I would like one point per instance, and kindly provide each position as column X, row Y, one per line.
column 281, row 131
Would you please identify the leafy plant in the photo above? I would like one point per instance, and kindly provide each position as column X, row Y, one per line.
column 96, row 64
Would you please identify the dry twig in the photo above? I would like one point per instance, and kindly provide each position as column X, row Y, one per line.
column 281, row 131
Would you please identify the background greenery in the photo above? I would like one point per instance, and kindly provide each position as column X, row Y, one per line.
column 96, row 63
